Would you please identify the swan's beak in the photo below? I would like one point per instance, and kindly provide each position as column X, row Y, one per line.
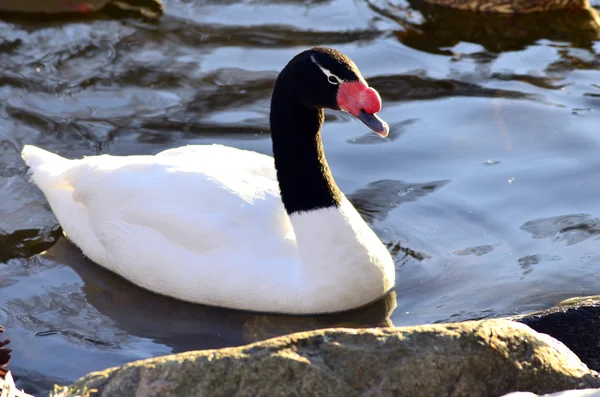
column 373, row 121
column 363, row 102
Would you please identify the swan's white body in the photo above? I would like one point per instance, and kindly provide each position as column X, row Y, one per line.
column 206, row 224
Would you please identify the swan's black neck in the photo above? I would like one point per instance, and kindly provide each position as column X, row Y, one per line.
column 304, row 177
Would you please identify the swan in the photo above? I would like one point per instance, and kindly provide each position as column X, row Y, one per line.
column 220, row 226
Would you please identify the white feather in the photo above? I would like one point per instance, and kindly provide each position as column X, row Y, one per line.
column 206, row 224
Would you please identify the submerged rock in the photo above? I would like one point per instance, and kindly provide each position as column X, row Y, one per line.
column 477, row 358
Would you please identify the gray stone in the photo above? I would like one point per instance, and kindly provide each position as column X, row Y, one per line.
column 565, row 393
column 575, row 322
column 476, row 358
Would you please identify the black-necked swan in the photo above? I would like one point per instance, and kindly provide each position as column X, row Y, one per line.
column 226, row 227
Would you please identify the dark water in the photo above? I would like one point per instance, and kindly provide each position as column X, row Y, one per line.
column 487, row 191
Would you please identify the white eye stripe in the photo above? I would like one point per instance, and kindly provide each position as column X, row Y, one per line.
column 327, row 72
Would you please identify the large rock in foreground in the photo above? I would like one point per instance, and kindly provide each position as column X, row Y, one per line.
column 479, row 358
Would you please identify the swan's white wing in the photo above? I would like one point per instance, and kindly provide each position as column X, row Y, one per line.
column 226, row 157
column 195, row 196
column 201, row 223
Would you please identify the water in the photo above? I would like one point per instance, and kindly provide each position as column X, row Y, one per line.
column 486, row 192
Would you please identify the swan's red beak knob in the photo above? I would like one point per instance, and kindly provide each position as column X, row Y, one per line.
column 363, row 102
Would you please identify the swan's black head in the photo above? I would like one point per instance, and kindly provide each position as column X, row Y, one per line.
column 326, row 78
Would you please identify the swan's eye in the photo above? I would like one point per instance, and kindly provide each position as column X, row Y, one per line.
column 332, row 78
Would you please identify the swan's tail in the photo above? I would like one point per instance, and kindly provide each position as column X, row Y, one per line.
column 45, row 168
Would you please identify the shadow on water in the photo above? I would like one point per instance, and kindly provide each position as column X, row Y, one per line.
column 415, row 86
column 27, row 242
column 184, row 326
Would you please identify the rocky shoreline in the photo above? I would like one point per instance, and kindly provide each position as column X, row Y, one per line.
column 472, row 358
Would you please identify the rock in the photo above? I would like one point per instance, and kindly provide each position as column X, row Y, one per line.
column 575, row 322
column 566, row 393
column 476, row 358
column 512, row 7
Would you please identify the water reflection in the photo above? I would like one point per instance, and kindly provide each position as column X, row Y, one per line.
column 258, row 35
column 477, row 251
column 437, row 29
column 377, row 199
column 184, row 326
column 528, row 262
column 27, row 226
column 421, row 87
column 571, row 229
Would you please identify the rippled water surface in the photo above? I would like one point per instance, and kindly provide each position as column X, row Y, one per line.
column 487, row 192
